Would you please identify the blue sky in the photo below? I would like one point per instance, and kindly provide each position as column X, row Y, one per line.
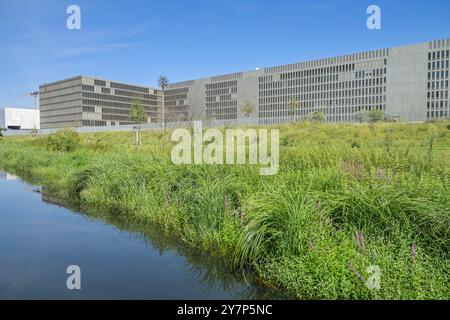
column 136, row 40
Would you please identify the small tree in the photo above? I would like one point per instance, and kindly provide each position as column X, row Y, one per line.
column 360, row 116
column 318, row 116
column 292, row 107
column 34, row 132
column 65, row 140
column 137, row 116
column 247, row 109
column 163, row 83
column 376, row 115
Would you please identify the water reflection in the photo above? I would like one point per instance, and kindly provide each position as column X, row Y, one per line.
column 207, row 270
column 7, row 176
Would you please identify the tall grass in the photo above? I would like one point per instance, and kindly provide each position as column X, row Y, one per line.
column 295, row 230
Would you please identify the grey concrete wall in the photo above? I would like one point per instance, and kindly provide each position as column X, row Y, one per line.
column 2, row 119
column 407, row 82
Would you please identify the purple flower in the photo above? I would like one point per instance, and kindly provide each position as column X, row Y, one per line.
column 352, row 268
column 362, row 241
column 413, row 251
column 318, row 204
column 357, row 239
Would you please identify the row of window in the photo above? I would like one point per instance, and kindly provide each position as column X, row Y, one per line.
column 221, row 104
column 351, row 102
column 437, row 104
column 436, row 85
column 311, row 86
column 220, row 85
column 100, row 83
column 437, row 55
column 373, row 73
column 438, row 114
column 129, row 87
column 232, row 116
column 285, row 95
column 176, row 91
column 218, row 111
column 431, row 95
column 218, row 92
column 372, row 55
column 312, row 72
column 107, row 97
column 438, row 65
column 94, row 123
column 336, row 113
column 438, row 75
column 175, row 97
column 318, row 93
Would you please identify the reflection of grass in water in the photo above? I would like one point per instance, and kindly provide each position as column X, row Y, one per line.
column 390, row 181
column 208, row 270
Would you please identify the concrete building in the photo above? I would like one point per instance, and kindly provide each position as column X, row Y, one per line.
column 19, row 119
column 86, row 101
column 409, row 83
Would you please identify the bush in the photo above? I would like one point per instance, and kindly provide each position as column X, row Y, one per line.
column 64, row 140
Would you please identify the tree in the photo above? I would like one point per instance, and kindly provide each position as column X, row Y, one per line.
column 360, row 116
column 247, row 109
column 292, row 106
column 137, row 116
column 163, row 83
column 318, row 116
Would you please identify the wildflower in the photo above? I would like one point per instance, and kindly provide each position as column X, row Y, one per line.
column 362, row 241
column 318, row 204
column 352, row 268
column 413, row 251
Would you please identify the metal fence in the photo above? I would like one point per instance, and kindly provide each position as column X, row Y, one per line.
column 146, row 126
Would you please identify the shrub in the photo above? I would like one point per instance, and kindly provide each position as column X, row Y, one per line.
column 64, row 140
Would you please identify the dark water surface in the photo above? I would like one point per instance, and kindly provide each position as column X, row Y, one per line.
column 40, row 238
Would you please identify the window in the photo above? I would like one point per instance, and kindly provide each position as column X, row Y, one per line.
column 100, row 83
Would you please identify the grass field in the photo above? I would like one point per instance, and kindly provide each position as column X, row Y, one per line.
column 387, row 182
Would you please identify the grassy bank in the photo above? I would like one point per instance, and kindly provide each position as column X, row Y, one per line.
column 297, row 229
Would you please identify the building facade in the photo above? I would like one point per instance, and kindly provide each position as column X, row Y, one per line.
column 409, row 83
column 87, row 101
column 19, row 119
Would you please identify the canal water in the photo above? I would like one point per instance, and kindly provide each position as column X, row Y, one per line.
column 40, row 237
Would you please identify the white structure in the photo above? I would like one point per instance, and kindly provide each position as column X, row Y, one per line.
column 19, row 119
